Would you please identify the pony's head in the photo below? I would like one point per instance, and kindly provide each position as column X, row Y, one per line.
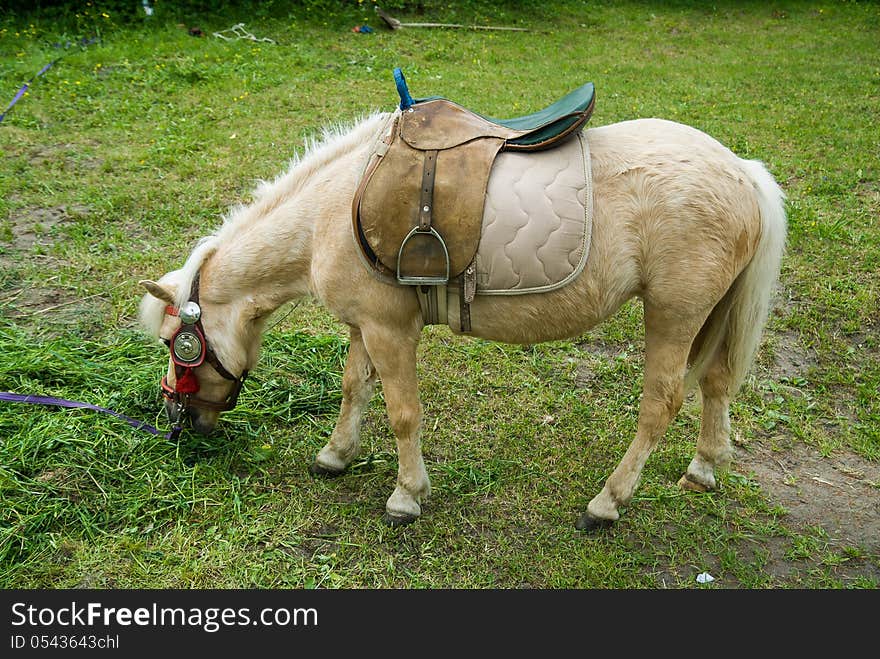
column 213, row 337
column 211, row 312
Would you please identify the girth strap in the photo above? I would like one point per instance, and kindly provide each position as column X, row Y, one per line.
column 433, row 303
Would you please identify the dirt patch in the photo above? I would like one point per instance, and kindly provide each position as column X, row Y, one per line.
column 790, row 358
column 70, row 156
column 835, row 494
column 868, row 190
column 38, row 226
column 585, row 374
column 26, row 235
column 606, row 350
column 840, row 493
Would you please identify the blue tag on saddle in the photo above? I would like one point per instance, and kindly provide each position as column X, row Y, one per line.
column 406, row 101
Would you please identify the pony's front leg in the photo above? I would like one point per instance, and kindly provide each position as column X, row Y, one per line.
column 358, row 384
column 394, row 354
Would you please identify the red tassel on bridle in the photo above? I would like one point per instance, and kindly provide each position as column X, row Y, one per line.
column 187, row 383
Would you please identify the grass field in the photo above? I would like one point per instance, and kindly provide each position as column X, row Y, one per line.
column 128, row 150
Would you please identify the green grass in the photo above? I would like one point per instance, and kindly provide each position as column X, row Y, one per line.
column 126, row 152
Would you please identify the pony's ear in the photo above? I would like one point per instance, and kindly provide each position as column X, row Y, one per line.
column 157, row 291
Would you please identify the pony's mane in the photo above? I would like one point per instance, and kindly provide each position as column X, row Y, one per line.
column 332, row 142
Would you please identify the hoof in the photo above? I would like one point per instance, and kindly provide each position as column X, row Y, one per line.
column 688, row 482
column 399, row 520
column 318, row 470
column 589, row 524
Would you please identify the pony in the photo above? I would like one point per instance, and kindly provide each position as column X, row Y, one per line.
column 680, row 222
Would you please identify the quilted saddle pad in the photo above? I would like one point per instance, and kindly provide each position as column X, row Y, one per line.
column 537, row 220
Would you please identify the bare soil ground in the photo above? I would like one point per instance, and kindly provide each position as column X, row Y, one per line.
column 840, row 493
column 32, row 232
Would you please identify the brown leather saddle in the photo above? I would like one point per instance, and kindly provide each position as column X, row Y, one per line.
column 418, row 210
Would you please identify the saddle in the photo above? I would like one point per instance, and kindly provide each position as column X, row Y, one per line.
column 417, row 213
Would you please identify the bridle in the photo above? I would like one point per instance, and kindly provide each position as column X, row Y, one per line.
column 189, row 350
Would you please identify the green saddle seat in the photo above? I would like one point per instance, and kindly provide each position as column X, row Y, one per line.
column 553, row 120
column 530, row 132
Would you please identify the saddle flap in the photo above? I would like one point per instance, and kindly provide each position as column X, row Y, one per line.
column 441, row 124
column 389, row 205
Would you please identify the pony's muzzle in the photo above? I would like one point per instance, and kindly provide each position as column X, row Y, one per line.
column 202, row 421
column 174, row 411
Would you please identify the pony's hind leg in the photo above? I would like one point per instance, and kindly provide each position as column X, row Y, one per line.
column 713, row 446
column 667, row 344
column 358, row 384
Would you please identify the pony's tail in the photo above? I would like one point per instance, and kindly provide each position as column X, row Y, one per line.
column 740, row 316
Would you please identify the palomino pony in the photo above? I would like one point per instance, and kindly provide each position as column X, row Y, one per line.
column 679, row 221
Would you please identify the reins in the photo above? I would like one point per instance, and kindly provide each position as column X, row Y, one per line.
column 10, row 397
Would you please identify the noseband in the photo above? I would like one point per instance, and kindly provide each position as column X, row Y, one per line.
column 189, row 350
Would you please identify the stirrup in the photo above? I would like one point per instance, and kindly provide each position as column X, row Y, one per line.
column 435, row 244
